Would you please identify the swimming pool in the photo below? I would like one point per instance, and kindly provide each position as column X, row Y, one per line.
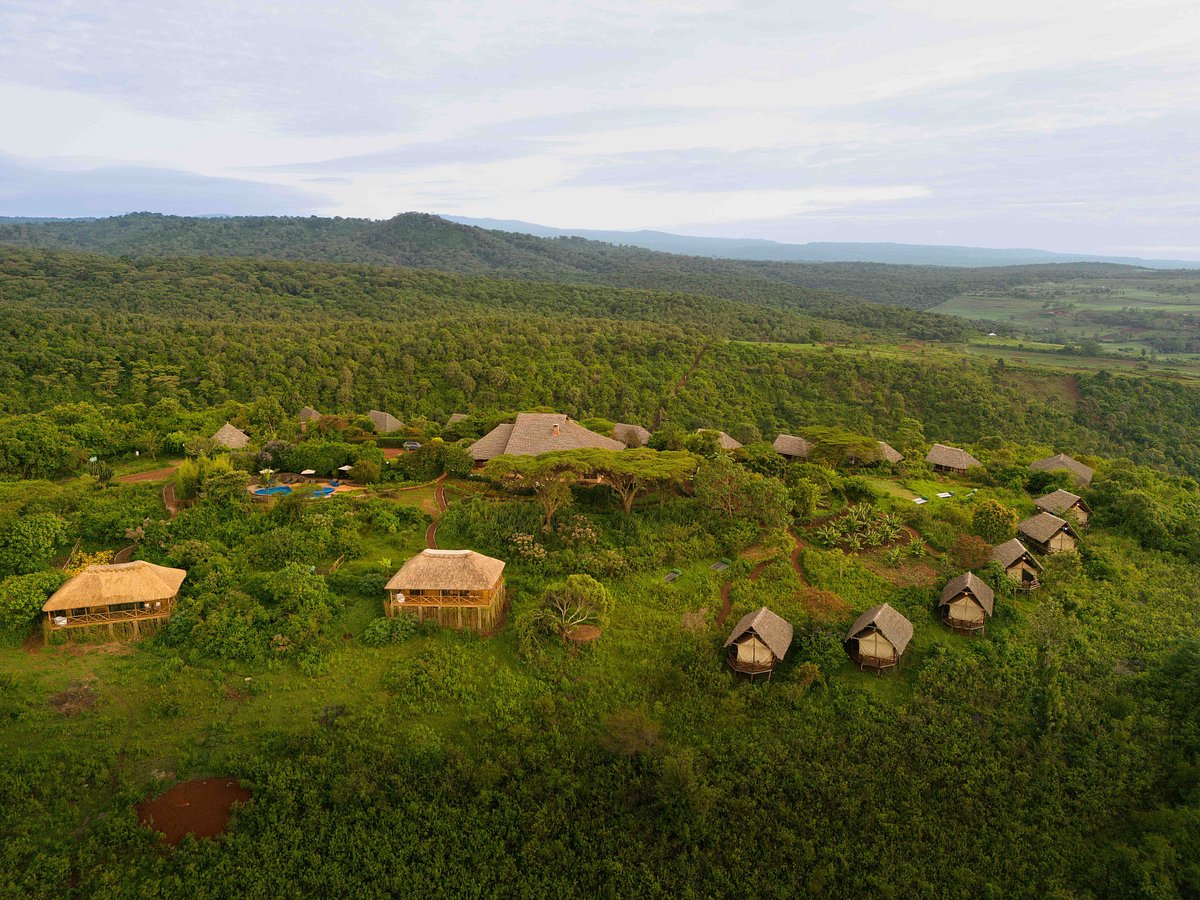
column 272, row 490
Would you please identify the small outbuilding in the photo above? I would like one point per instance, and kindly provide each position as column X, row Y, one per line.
column 1018, row 564
column 945, row 458
column 1065, row 505
column 631, row 435
column 1060, row 461
column 308, row 414
column 455, row 417
column 384, row 423
column 758, row 643
column 1049, row 533
column 878, row 638
column 967, row 603
column 792, row 447
column 890, row 454
column 126, row 596
column 724, row 441
column 455, row 588
column 230, row 437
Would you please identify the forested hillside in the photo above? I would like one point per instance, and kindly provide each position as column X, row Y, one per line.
column 426, row 241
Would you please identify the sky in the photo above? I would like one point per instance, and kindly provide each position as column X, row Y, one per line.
column 1069, row 125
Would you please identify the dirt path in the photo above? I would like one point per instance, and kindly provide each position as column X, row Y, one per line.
column 794, row 557
column 439, row 494
column 153, row 475
column 678, row 386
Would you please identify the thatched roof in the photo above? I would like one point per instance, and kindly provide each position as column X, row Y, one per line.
column 791, row 445
column 131, row 582
column 1059, row 502
column 631, row 435
column 307, row 414
column 1010, row 551
column 230, row 438
column 969, row 583
column 890, row 453
column 536, row 433
column 385, row 423
column 448, row 570
column 950, row 457
column 455, row 417
column 773, row 631
column 724, row 441
column 1044, row 526
column 1081, row 472
column 893, row 626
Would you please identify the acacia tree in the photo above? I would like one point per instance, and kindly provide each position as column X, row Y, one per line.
column 581, row 600
column 549, row 475
column 630, row 473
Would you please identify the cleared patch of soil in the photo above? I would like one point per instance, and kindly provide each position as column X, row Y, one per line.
column 694, row 621
column 583, row 634
column 200, row 808
column 76, row 699
column 825, row 607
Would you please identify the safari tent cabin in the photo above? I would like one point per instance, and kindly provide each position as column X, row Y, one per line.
column 230, row 438
column 456, row 588
column 950, row 459
column 384, row 423
column 1081, row 473
column 966, row 604
column 758, row 643
column 792, row 447
column 1019, row 564
column 130, row 596
column 724, row 441
column 631, row 435
column 877, row 638
column 1049, row 533
column 1065, row 505
column 535, row 433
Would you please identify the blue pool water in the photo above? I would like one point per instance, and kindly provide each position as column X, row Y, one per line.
column 273, row 490
column 323, row 492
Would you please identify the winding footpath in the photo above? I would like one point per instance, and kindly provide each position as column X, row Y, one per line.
column 439, row 496
column 797, row 548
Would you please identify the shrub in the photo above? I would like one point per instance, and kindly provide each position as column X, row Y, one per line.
column 22, row 598
column 384, row 631
column 994, row 522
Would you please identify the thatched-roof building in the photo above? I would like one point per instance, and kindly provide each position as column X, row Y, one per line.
column 455, row 417
column 535, row 433
column 724, row 441
column 758, row 643
column 230, row 437
column 1065, row 505
column 1018, row 564
column 944, row 458
column 308, row 414
column 455, row 588
column 384, row 423
column 1049, row 533
column 129, row 596
column 1081, row 473
column 792, row 447
column 966, row 603
column 878, row 637
column 889, row 453
column 631, row 435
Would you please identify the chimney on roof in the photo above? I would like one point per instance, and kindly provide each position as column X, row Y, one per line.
column 555, row 430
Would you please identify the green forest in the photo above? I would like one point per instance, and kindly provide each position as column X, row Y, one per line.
column 1055, row 754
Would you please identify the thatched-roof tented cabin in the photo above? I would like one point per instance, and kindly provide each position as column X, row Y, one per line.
column 308, row 414
column 1065, row 505
column 230, row 438
column 130, row 596
column 384, row 423
column 631, row 435
column 1049, row 533
column 890, row 454
column 724, row 441
column 792, row 447
column 1081, row 473
column 455, row 588
column 1018, row 564
column 944, row 458
column 878, row 637
column 966, row 604
column 535, row 433
column 758, row 643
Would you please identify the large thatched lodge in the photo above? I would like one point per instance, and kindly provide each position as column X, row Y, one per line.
column 124, row 599
column 455, row 588
column 967, row 603
column 758, row 643
column 536, row 433
column 1018, row 564
column 878, row 637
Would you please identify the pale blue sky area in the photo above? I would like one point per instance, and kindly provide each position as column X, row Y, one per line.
column 1071, row 125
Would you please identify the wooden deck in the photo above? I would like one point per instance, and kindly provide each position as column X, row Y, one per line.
column 129, row 621
column 873, row 662
column 751, row 669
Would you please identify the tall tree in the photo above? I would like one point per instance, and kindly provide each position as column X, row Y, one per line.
column 631, row 473
column 550, row 476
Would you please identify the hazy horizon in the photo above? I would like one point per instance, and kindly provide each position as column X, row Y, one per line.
column 1068, row 127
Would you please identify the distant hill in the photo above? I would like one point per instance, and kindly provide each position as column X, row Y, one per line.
column 420, row 240
column 821, row 251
